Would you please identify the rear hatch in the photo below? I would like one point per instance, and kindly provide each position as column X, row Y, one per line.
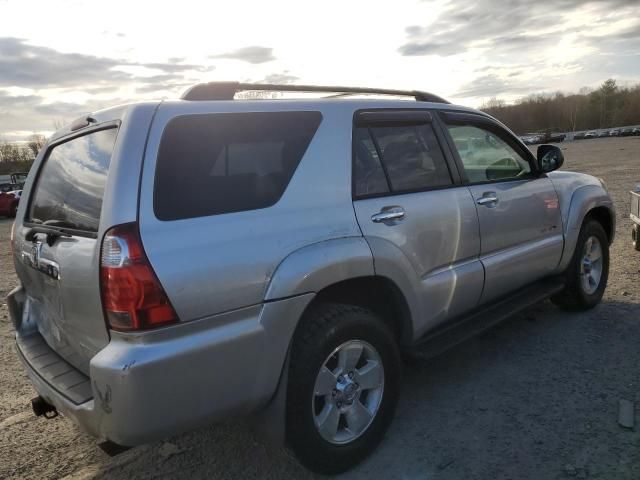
column 59, row 262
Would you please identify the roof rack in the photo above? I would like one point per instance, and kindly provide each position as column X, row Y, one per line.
column 227, row 91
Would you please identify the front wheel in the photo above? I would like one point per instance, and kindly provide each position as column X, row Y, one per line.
column 343, row 386
column 588, row 271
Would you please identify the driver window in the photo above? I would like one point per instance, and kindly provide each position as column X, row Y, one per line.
column 485, row 156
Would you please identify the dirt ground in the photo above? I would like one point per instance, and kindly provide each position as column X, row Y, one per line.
column 535, row 398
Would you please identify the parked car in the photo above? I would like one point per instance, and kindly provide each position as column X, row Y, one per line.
column 626, row 132
column 9, row 202
column 12, row 181
column 9, row 187
column 591, row 134
column 579, row 136
column 318, row 240
column 635, row 131
column 614, row 133
column 603, row 133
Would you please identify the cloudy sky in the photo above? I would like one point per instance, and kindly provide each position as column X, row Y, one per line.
column 62, row 58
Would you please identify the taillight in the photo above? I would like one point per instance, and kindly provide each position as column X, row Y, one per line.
column 132, row 296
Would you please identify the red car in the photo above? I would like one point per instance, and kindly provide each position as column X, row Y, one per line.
column 9, row 203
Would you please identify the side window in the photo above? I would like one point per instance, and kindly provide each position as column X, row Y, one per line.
column 369, row 178
column 398, row 159
column 412, row 157
column 228, row 162
column 485, row 156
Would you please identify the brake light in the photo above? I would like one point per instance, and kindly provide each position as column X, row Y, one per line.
column 132, row 296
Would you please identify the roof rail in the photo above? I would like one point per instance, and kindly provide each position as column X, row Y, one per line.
column 227, row 91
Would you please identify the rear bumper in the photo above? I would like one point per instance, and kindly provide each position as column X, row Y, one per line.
column 152, row 385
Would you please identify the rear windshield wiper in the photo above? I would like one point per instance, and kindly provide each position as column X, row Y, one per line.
column 52, row 233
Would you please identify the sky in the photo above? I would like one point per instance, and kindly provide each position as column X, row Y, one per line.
column 60, row 59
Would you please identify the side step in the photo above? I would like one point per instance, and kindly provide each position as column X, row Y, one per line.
column 453, row 333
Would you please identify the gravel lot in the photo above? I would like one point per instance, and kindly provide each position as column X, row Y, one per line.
column 534, row 398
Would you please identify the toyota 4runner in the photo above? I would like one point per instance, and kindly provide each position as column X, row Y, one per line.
column 183, row 261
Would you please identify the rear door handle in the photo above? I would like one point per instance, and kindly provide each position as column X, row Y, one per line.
column 489, row 199
column 388, row 214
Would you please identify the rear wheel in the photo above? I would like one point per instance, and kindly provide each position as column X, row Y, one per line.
column 588, row 271
column 343, row 386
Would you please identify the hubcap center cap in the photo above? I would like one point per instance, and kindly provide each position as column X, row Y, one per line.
column 346, row 391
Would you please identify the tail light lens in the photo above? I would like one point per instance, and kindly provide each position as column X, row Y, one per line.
column 132, row 296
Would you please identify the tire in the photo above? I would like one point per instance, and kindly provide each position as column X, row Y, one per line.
column 328, row 333
column 580, row 293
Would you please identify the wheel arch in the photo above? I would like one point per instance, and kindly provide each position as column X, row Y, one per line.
column 588, row 201
column 376, row 293
column 342, row 270
column 606, row 218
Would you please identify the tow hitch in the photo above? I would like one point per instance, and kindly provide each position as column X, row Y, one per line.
column 41, row 407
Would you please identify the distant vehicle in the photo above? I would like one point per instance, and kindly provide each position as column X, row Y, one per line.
column 591, row 134
column 579, row 136
column 626, row 132
column 9, row 187
column 554, row 138
column 9, row 203
column 603, row 133
column 19, row 177
column 635, row 131
column 614, row 133
column 14, row 181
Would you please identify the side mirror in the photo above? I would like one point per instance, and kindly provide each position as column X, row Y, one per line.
column 550, row 158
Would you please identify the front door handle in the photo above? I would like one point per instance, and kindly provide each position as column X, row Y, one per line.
column 489, row 199
column 388, row 214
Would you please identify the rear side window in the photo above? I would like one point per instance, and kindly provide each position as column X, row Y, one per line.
column 228, row 162
column 367, row 169
column 411, row 160
column 70, row 185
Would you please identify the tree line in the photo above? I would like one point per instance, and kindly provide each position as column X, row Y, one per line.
column 18, row 157
column 608, row 106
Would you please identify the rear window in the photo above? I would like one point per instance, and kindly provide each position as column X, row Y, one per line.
column 70, row 185
column 228, row 162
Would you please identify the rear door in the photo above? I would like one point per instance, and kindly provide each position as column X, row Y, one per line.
column 60, row 270
column 518, row 208
column 407, row 201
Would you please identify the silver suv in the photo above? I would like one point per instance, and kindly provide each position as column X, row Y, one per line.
column 184, row 261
